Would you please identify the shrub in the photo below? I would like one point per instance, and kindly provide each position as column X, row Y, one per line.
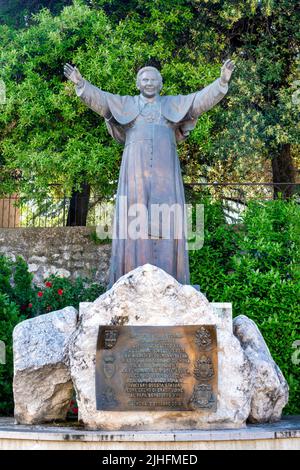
column 255, row 265
column 22, row 291
column 21, row 299
column 59, row 292
column 5, row 275
column 9, row 318
column 16, row 282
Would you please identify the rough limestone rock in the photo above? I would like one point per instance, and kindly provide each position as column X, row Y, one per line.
column 149, row 296
column 42, row 381
column 270, row 390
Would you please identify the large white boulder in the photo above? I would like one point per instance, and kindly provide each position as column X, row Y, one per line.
column 42, row 381
column 149, row 296
column 270, row 391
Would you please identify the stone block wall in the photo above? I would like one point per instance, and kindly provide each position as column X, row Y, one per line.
column 66, row 251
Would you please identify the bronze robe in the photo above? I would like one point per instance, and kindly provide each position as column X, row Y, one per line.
column 150, row 170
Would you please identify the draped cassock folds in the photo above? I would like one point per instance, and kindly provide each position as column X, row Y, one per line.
column 150, row 173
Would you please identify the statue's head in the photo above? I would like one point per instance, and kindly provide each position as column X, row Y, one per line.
column 149, row 81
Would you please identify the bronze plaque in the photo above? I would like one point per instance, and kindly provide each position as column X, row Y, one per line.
column 157, row 368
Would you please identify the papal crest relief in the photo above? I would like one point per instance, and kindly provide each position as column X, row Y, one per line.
column 110, row 338
column 108, row 398
column 109, row 366
column 203, row 369
column 203, row 396
column 203, row 338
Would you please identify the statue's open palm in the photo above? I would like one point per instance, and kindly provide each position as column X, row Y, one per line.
column 72, row 73
column 226, row 70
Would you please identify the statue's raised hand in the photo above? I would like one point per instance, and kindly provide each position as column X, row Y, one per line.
column 73, row 74
column 226, row 71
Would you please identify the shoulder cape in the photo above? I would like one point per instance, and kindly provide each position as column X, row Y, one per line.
column 125, row 109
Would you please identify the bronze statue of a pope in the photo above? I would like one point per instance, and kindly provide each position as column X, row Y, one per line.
column 149, row 125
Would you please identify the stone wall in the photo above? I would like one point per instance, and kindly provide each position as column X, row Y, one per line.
column 66, row 251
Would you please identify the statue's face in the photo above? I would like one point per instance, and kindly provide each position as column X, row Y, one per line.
column 149, row 84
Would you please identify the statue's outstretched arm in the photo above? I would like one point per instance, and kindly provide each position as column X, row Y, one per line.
column 213, row 93
column 92, row 96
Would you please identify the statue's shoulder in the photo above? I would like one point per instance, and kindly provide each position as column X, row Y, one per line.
column 166, row 98
column 175, row 108
column 174, row 98
column 123, row 108
column 122, row 98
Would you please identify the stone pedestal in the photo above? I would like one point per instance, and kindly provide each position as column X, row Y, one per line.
column 147, row 296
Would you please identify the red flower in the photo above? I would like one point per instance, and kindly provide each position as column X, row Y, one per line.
column 48, row 284
column 60, row 292
column 40, row 294
column 29, row 305
column 74, row 410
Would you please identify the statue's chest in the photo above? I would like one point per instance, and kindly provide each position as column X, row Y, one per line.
column 151, row 113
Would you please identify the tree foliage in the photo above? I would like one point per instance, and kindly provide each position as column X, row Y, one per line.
column 262, row 114
column 48, row 135
column 45, row 131
column 17, row 13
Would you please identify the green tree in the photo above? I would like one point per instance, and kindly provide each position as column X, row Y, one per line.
column 260, row 118
column 17, row 13
column 47, row 134
column 45, row 131
column 261, row 115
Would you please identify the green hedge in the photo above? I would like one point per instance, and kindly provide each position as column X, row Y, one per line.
column 255, row 265
column 21, row 299
column 9, row 318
